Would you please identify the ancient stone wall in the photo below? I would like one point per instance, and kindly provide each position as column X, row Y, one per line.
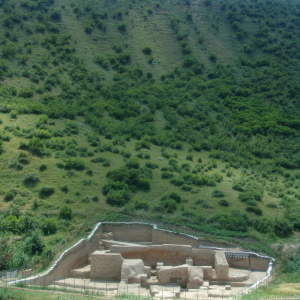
column 130, row 232
column 203, row 257
column 78, row 254
column 170, row 255
column 258, row 263
column 160, row 236
column 238, row 260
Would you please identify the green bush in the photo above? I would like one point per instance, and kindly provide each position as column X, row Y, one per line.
column 254, row 209
column 71, row 128
column 42, row 120
column 122, row 26
column 33, row 244
column 13, row 114
column 49, row 226
column 217, row 194
column 64, row 189
column 42, row 168
column 10, row 195
column 223, row 202
column 283, row 228
column 76, row 164
column 66, row 213
column 46, row 191
column 141, row 205
column 147, row 50
column 118, row 198
column 178, row 181
column 31, row 180
column 166, row 175
column 23, row 158
column 170, row 205
column 133, row 163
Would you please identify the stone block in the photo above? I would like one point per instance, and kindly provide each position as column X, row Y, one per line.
column 221, row 265
column 132, row 269
column 106, row 266
column 195, row 277
column 207, row 272
column 177, row 274
column 189, row 261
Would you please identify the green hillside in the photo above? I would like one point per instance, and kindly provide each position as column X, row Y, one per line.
column 181, row 112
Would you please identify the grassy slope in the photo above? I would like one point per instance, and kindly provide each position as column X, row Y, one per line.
column 59, row 177
column 143, row 30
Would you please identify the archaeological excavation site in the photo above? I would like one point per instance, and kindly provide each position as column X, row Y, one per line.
column 141, row 259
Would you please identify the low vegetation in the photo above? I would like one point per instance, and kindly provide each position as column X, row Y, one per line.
column 173, row 111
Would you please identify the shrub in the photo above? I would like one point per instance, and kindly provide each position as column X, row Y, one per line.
column 76, row 164
column 223, row 202
column 217, row 194
column 42, row 168
column 283, row 228
column 166, row 175
column 133, row 163
column 36, row 145
column 33, row 244
column 72, row 128
column 42, row 120
column 31, row 180
column 13, row 114
column 186, row 188
column 147, row 50
column 175, row 196
column 64, row 189
column 143, row 184
column 10, row 195
column 98, row 160
column 56, row 15
column 65, row 213
column 119, row 198
column 46, row 191
column 151, row 165
column 254, row 209
column 49, row 226
column 178, row 181
column 95, row 199
column 170, row 205
column 122, row 26
column 141, row 205
column 23, row 158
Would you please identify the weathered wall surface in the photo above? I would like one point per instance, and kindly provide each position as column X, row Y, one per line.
column 166, row 237
column 106, row 266
column 130, row 232
column 258, row 264
column 170, row 255
column 238, row 260
column 203, row 257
